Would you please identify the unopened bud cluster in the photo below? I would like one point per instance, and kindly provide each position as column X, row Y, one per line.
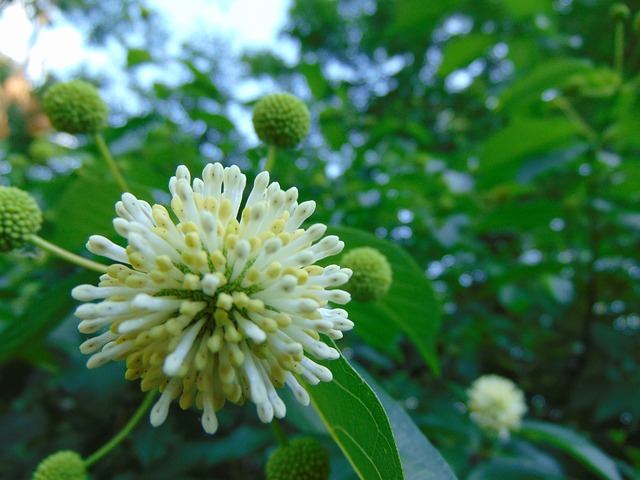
column 20, row 216
column 281, row 119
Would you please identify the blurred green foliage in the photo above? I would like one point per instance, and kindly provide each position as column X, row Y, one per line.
column 495, row 142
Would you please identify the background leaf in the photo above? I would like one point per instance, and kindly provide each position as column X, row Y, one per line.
column 574, row 444
column 420, row 459
column 410, row 307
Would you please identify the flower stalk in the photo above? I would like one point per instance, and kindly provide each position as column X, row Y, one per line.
column 124, row 433
column 113, row 167
column 66, row 254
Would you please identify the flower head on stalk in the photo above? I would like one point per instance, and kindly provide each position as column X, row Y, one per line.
column 223, row 306
column 497, row 405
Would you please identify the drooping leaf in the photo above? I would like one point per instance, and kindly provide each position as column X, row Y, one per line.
column 410, row 307
column 573, row 444
column 357, row 422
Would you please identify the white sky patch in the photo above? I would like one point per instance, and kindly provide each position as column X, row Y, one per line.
column 248, row 23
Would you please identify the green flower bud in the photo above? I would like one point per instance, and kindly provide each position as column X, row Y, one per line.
column 62, row 465
column 619, row 11
column 302, row 458
column 75, row 107
column 372, row 273
column 281, row 119
column 20, row 216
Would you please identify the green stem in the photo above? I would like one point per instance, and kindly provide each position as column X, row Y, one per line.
column 124, row 433
column 618, row 52
column 279, row 433
column 67, row 255
column 271, row 159
column 571, row 113
column 104, row 150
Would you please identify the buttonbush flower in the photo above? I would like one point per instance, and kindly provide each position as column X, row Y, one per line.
column 372, row 274
column 62, row 465
column 75, row 107
column 303, row 458
column 225, row 305
column 281, row 119
column 20, row 217
column 496, row 404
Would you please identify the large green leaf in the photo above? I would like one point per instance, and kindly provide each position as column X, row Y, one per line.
column 410, row 307
column 357, row 422
column 420, row 459
column 573, row 444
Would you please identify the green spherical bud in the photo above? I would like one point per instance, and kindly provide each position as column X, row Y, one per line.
column 372, row 273
column 281, row 119
column 619, row 11
column 302, row 458
column 75, row 107
column 20, row 216
column 62, row 465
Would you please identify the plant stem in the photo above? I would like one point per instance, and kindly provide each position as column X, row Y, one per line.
column 618, row 48
column 122, row 434
column 279, row 433
column 271, row 159
column 571, row 113
column 67, row 255
column 104, row 150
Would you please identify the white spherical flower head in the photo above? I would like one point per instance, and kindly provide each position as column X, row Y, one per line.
column 225, row 305
column 496, row 404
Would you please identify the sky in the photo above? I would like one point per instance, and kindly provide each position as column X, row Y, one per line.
column 250, row 23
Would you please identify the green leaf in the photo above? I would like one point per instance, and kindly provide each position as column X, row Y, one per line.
column 86, row 208
column 357, row 422
column 519, row 215
column 551, row 74
column 136, row 56
column 504, row 152
column 332, row 123
column 420, row 459
column 315, row 79
column 214, row 120
column 573, row 444
column 461, row 51
column 40, row 317
column 410, row 307
column 512, row 469
column 520, row 9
